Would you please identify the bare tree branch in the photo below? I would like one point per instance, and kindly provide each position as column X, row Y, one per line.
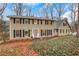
column 2, row 8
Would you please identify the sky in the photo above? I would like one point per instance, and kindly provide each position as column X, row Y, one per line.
column 35, row 8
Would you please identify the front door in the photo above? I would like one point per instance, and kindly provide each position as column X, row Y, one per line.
column 35, row 33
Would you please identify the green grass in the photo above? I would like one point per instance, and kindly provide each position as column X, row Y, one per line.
column 60, row 46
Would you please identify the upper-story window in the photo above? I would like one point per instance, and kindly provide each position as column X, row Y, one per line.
column 17, row 21
column 64, row 24
column 37, row 21
column 32, row 21
column 41, row 21
column 46, row 22
column 51, row 22
column 20, row 20
column 26, row 20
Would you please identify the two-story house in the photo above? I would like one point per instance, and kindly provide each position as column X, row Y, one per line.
column 22, row 27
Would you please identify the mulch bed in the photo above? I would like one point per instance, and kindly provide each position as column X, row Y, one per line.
column 17, row 48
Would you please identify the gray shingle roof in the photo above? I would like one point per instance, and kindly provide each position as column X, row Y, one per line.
column 30, row 17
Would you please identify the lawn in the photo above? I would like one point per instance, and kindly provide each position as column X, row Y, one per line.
column 59, row 46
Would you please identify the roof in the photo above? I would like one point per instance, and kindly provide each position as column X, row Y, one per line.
column 31, row 17
column 58, row 22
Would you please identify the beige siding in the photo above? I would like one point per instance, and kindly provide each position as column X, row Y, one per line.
column 18, row 26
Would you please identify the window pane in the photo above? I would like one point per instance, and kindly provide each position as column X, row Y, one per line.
column 17, row 33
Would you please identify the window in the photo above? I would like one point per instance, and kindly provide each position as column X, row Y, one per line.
column 47, row 22
column 33, row 21
column 37, row 21
column 43, row 33
column 17, row 21
column 20, row 20
column 66, row 30
column 41, row 21
column 64, row 24
column 27, row 33
column 56, row 30
column 60, row 30
column 23, row 33
column 28, row 21
column 50, row 32
column 17, row 33
column 51, row 22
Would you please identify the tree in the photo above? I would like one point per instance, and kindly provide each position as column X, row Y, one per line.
column 21, row 9
column 2, row 26
column 18, row 9
column 78, row 22
column 2, row 8
column 44, row 10
column 73, row 15
column 60, row 10
column 51, row 9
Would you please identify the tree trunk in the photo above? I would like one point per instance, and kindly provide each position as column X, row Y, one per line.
column 78, row 22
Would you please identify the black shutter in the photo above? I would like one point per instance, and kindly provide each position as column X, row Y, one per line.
column 14, row 33
column 20, row 33
column 23, row 33
column 14, row 20
column 41, row 21
column 23, row 21
column 29, row 33
column 20, row 20
column 37, row 21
